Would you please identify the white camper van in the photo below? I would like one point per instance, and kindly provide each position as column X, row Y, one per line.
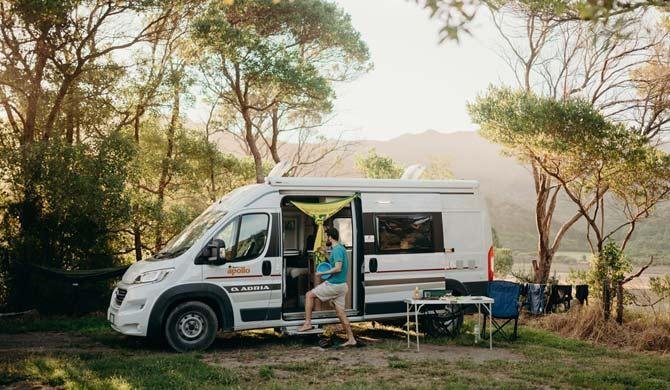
column 246, row 261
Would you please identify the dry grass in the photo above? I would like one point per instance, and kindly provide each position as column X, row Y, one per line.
column 639, row 332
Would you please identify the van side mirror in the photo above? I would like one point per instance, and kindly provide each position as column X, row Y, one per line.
column 213, row 254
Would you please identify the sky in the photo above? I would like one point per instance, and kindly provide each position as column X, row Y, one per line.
column 417, row 84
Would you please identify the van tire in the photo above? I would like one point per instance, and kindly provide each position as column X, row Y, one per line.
column 191, row 326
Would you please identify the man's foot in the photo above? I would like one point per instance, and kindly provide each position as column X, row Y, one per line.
column 305, row 328
column 350, row 343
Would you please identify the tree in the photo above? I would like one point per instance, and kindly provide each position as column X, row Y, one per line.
column 523, row 124
column 375, row 166
column 589, row 157
column 438, row 169
column 274, row 64
column 553, row 53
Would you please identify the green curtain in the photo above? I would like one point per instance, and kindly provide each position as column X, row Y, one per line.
column 320, row 212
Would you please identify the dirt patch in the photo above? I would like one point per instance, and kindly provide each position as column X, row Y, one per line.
column 373, row 354
column 42, row 342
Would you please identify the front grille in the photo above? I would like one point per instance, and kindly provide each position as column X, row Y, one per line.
column 120, row 294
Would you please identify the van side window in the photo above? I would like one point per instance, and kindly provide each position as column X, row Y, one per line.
column 245, row 237
column 228, row 234
column 253, row 234
column 405, row 233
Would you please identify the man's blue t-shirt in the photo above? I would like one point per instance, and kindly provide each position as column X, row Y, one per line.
column 339, row 254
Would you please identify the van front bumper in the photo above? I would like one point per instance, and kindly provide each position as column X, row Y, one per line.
column 129, row 310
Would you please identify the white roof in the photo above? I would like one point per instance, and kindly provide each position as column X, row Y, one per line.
column 391, row 185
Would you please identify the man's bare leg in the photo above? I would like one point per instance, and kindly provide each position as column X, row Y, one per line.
column 347, row 326
column 309, row 306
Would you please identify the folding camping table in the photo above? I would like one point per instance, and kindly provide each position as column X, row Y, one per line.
column 418, row 304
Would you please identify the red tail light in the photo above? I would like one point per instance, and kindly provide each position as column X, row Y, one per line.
column 492, row 257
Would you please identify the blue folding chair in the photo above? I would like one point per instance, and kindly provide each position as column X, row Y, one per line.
column 505, row 307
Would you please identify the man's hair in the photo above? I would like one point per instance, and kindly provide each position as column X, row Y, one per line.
column 333, row 233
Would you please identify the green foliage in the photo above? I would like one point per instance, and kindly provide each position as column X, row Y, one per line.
column 504, row 261
column 438, row 169
column 607, row 267
column 527, row 125
column 660, row 285
column 273, row 65
column 199, row 174
column 73, row 218
column 375, row 166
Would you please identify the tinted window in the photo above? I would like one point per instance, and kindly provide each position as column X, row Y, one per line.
column 252, row 236
column 405, row 233
column 228, row 235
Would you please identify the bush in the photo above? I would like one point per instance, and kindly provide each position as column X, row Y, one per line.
column 504, row 262
column 640, row 331
column 68, row 212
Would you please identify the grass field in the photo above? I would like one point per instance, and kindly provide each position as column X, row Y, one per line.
column 84, row 353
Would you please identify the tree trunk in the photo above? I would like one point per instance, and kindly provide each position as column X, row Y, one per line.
column 69, row 123
column 619, row 302
column 275, row 136
column 137, row 240
column 544, row 211
column 253, row 148
column 35, row 90
column 607, row 301
column 166, row 169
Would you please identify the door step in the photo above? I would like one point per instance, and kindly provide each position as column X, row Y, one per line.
column 293, row 330
column 318, row 314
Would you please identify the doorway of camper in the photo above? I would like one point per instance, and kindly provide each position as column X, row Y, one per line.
column 299, row 234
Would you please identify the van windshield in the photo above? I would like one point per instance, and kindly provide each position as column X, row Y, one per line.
column 185, row 240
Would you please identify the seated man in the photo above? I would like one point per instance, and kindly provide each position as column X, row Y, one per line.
column 334, row 289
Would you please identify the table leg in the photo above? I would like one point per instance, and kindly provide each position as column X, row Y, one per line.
column 416, row 324
column 407, row 324
column 479, row 321
column 490, row 326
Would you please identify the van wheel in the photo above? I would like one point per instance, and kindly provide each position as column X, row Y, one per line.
column 191, row 326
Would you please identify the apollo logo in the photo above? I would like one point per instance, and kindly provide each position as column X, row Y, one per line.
column 262, row 287
column 238, row 270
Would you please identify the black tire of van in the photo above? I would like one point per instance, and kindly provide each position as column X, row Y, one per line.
column 191, row 326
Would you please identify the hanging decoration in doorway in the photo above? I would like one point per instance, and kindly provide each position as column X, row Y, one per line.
column 320, row 212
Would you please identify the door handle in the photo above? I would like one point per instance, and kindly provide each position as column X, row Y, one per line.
column 372, row 265
column 266, row 268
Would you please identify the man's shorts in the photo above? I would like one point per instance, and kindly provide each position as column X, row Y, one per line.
column 332, row 292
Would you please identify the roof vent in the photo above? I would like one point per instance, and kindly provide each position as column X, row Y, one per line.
column 413, row 172
column 280, row 169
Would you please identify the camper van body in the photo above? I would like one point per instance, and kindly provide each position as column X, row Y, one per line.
column 261, row 288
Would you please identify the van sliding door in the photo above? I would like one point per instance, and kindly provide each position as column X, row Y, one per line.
column 404, row 249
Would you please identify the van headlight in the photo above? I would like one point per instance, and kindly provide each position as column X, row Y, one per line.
column 152, row 276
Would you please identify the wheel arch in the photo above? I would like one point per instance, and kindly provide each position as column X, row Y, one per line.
column 212, row 295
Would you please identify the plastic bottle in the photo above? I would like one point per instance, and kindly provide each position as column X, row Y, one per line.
column 417, row 294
